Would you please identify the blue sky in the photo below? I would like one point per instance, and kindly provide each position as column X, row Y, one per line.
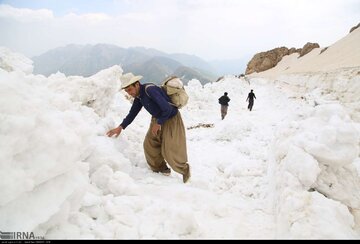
column 61, row 7
column 210, row 29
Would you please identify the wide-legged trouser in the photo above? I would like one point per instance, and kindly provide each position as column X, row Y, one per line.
column 168, row 146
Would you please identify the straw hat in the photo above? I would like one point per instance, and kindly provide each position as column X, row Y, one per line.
column 128, row 79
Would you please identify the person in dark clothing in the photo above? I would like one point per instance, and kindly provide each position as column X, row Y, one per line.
column 165, row 141
column 251, row 97
column 224, row 101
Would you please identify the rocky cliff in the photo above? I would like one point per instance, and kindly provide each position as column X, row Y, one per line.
column 269, row 59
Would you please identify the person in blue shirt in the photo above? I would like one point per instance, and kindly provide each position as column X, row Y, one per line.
column 165, row 141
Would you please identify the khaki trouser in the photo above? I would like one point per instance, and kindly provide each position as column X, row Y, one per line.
column 223, row 110
column 168, row 146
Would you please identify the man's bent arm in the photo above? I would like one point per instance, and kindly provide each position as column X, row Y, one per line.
column 135, row 109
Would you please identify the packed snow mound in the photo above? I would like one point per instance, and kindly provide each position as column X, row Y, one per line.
column 280, row 167
column 11, row 61
column 49, row 132
column 96, row 91
column 320, row 156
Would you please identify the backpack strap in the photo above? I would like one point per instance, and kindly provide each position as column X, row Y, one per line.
column 151, row 84
column 146, row 86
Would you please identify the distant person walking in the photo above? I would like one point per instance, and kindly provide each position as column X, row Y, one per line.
column 250, row 98
column 224, row 101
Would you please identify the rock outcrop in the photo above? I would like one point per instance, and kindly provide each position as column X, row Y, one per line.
column 308, row 48
column 269, row 59
column 354, row 28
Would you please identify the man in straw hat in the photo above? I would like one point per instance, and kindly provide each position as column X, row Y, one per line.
column 165, row 141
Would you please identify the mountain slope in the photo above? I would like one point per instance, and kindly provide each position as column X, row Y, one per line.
column 154, row 70
column 193, row 62
column 343, row 54
column 48, row 64
column 186, row 74
column 90, row 59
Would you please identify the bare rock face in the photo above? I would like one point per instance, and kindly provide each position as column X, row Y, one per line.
column 308, row 47
column 354, row 28
column 294, row 50
column 267, row 60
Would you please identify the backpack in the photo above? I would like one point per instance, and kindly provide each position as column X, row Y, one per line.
column 174, row 88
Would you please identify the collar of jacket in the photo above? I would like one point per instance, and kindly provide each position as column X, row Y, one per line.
column 142, row 91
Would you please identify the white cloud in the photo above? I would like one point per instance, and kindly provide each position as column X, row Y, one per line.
column 92, row 18
column 26, row 15
column 210, row 29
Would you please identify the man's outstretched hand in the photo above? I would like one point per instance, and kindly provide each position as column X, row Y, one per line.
column 116, row 131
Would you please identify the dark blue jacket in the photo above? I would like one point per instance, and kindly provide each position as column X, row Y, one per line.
column 224, row 100
column 155, row 101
